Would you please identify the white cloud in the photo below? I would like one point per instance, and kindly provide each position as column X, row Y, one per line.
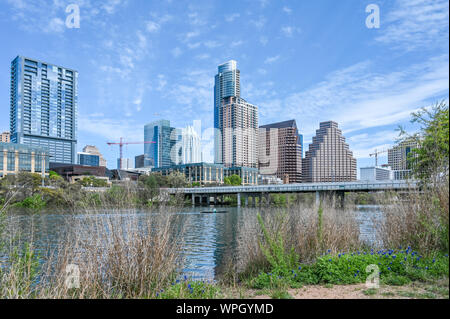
column 152, row 26
column 56, row 25
column 176, row 52
column 360, row 97
column 289, row 31
column 237, row 43
column 259, row 23
column 232, row 17
column 287, row 10
column 212, row 44
column 272, row 59
column 414, row 24
column 263, row 40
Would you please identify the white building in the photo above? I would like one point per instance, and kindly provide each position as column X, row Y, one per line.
column 126, row 163
column 191, row 146
column 376, row 173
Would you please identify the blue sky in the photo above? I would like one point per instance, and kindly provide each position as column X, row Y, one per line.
column 313, row 61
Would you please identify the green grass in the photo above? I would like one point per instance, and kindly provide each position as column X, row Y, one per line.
column 396, row 267
column 188, row 289
column 370, row 292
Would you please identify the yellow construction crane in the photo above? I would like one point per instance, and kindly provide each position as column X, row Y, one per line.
column 376, row 155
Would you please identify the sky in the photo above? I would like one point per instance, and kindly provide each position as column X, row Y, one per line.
column 312, row 61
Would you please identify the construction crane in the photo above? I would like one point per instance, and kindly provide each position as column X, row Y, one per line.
column 376, row 155
column 121, row 144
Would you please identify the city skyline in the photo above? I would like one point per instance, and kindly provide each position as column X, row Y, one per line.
column 371, row 82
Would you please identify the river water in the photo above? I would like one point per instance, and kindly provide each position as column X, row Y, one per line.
column 208, row 238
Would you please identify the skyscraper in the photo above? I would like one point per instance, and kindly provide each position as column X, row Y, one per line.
column 5, row 137
column 191, row 146
column 43, row 107
column 238, row 125
column 329, row 158
column 92, row 149
column 166, row 150
column 226, row 84
column 280, row 151
column 398, row 158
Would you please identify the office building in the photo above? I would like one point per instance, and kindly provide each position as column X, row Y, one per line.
column 16, row 158
column 238, row 125
column 139, row 161
column 329, row 158
column 43, row 107
column 91, row 149
column 280, row 151
column 207, row 173
column 73, row 173
column 126, row 163
column 5, row 137
column 397, row 155
column 87, row 159
column 167, row 147
column 226, row 84
column 376, row 173
column 191, row 146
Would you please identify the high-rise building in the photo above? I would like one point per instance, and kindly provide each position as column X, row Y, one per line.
column 87, row 159
column 92, row 149
column 5, row 137
column 126, row 163
column 376, row 173
column 329, row 158
column 238, row 125
column 139, row 161
column 167, row 147
column 43, row 108
column 280, row 151
column 191, row 146
column 399, row 160
column 226, row 84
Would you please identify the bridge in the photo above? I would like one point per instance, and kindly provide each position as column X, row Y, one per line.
column 335, row 190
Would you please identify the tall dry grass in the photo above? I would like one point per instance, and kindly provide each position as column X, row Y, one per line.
column 118, row 255
column 418, row 219
column 300, row 227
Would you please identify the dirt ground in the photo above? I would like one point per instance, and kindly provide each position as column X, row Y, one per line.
column 415, row 290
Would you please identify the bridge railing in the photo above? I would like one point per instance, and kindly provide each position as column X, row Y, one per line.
column 306, row 187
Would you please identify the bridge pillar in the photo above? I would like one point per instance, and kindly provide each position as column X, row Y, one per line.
column 339, row 200
column 318, row 198
column 239, row 199
column 215, row 200
column 246, row 200
column 193, row 200
column 208, row 200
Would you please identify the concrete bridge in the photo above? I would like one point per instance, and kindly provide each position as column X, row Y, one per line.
column 334, row 190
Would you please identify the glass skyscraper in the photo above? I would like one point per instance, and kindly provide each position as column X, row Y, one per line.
column 43, row 108
column 226, row 84
column 167, row 149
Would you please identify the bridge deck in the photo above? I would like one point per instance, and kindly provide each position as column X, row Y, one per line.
column 304, row 187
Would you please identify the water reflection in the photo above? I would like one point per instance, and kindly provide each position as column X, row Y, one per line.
column 210, row 240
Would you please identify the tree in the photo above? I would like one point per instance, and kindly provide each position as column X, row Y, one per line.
column 233, row 180
column 430, row 161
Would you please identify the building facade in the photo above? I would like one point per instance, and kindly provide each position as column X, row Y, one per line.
column 167, row 147
column 238, row 125
column 398, row 155
column 226, row 84
column 203, row 173
column 139, row 161
column 126, row 163
column 92, row 149
column 280, row 151
column 191, row 146
column 208, row 173
column 16, row 158
column 5, row 137
column 43, row 107
column 376, row 173
column 329, row 158
column 87, row 159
